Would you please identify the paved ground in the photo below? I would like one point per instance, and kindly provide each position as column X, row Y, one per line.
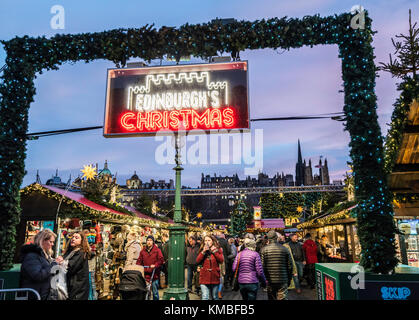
column 306, row 294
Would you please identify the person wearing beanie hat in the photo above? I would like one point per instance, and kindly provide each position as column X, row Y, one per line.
column 277, row 267
column 151, row 258
column 272, row 235
column 250, row 270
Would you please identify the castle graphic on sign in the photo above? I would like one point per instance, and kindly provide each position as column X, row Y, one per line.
column 177, row 91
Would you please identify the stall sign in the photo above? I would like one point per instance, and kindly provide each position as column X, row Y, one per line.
column 48, row 225
column 257, row 213
column 389, row 290
column 164, row 99
column 405, row 228
column 329, row 284
column 289, row 222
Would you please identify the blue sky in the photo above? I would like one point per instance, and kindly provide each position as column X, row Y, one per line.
column 297, row 82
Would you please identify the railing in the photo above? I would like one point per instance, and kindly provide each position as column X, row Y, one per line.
column 3, row 295
column 235, row 191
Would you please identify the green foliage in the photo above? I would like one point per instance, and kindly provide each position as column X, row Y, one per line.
column 28, row 56
column 239, row 219
column 94, row 190
column 144, row 204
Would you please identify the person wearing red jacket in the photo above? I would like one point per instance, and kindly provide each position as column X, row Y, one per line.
column 151, row 258
column 210, row 257
column 310, row 250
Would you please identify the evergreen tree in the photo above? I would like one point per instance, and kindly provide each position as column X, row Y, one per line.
column 240, row 217
column 94, row 190
column 407, row 52
column 289, row 203
column 144, row 204
column 270, row 205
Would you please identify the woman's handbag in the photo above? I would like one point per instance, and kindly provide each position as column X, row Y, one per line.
column 236, row 276
column 58, row 289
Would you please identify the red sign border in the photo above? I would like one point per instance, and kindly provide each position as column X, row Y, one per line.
column 170, row 132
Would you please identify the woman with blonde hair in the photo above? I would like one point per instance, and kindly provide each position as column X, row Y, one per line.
column 77, row 253
column 132, row 286
column 35, row 271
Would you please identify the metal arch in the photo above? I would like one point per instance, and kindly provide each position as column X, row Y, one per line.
column 234, row 191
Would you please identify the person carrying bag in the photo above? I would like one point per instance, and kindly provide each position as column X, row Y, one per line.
column 59, row 290
column 236, row 286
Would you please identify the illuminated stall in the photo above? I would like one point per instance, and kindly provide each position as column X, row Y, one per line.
column 341, row 232
column 65, row 212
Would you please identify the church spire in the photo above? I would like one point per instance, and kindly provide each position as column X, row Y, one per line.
column 300, row 158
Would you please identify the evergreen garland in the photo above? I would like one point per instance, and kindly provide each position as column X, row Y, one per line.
column 27, row 57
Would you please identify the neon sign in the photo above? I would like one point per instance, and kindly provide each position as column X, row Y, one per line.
column 395, row 293
column 144, row 101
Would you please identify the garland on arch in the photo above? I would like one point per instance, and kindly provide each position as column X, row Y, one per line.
column 27, row 57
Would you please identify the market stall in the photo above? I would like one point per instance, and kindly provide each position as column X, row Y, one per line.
column 404, row 183
column 340, row 229
column 65, row 212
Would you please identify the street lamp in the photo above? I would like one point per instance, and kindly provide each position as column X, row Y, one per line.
column 176, row 269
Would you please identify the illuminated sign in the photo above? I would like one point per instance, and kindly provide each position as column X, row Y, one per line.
column 329, row 287
column 390, row 290
column 144, row 101
column 289, row 222
column 257, row 213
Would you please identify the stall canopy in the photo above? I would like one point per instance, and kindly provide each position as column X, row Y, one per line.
column 44, row 202
column 343, row 216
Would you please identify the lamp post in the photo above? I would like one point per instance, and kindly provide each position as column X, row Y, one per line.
column 176, row 287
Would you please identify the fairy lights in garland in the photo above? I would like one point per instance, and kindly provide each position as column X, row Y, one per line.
column 27, row 57
column 74, row 209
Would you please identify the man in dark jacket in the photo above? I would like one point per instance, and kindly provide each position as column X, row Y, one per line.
column 299, row 259
column 226, row 252
column 35, row 272
column 192, row 251
column 277, row 267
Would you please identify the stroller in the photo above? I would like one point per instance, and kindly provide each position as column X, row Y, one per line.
column 149, row 286
column 133, row 286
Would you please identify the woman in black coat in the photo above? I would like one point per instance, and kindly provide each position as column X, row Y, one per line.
column 35, row 271
column 77, row 254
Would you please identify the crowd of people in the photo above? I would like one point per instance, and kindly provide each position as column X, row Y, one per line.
column 213, row 265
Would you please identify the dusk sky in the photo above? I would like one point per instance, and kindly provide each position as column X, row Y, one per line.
column 298, row 82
